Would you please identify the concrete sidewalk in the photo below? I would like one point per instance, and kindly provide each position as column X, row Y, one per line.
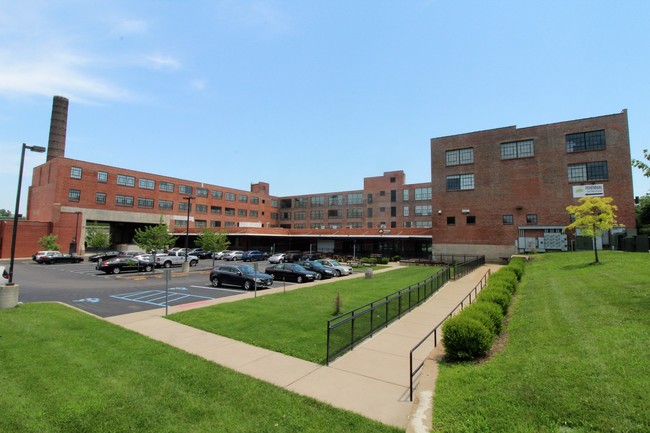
column 372, row 379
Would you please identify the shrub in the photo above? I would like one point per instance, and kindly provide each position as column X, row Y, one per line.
column 396, row 258
column 499, row 295
column 517, row 265
column 465, row 338
column 494, row 311
column 384, row 260
column 506, row 280
column 481, row 316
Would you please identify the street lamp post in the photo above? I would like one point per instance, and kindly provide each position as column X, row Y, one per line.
column 189, row 199
column 39, row 149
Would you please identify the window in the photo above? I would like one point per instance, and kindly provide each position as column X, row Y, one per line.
column 100, row 197
column 230, row 224
column 423, row 193
column 255, row 200
column 300, row 202
column 102, row 177
column 317, row 214
column 185, row 189
column 124, row 200
column 242, row 212
column 531, row 218
column 230, row 196
column 369, row 213
column 382, row 193
column 584, row 141
column 508, row 219
column 300, row 226
column 230, row 211
column 459, row 182
column 215, row 224
column 369, row 200
column 166, row 186
column 75, row 172
column 405, row 195
column 405, row 211
column 180, row 223
column 216, row 210
column 393, row 211
column 317, row 201
column 425, row 210
column 588, row 171
column 355, row 198
column 334, row 213
column 335, row 200
column 201, row 208
column 125, row 180
column 217, row 194
column 356, row 225
column 302, row 215
column 146, row 183
column 200, row 223
column 355, row 213
column 285, row 215
column 451, row 220
column 424, row 224
column 242, row 198
column 517, row 149
column 202, row 192
column 470, row 219
column 74, row 195
column 254, row 214
column 184, row 206
column 165, row 204
column 459, row 156
column 393, row 195
column 145, row 202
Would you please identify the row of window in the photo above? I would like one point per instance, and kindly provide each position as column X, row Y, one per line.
column 143, row 183
column 578, row 142
column 507, row 219
column 423, row 210
column 407, row 224
column 352, row 199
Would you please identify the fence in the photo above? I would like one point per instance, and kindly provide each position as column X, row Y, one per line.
column 481, row 284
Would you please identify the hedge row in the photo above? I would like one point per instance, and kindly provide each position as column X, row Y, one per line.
column 469, row 335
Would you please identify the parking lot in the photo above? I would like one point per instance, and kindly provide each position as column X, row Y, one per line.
column 82, row 286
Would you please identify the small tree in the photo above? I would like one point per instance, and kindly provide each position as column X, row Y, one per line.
column 5, row 213
column 642, row 165
column 98, row 238
column 210, row 240
column 643, row 214
column 154, row 238
column 49, row 243
column 592, row 217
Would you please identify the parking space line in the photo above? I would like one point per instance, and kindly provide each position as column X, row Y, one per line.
column 219, row 289
column 156, row 297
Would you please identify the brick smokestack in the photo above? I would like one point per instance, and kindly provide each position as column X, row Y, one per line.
column 58, row 128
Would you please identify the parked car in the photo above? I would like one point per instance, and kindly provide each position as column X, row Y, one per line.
column 37, row 257
column 292, row 256
column 324, row 271
column 277, row 258
column 177, row 258
column 310, row 257
column 291, row 272
column 201, row 253
column 233, row 255
column 123, row 264
column 219, row 254
column 254, row 255
column 243, row 276
column 339, row 268
column 60, row 258
column 4, row 279
column 103, row 256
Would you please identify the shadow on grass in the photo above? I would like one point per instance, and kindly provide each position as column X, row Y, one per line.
column 572, row 267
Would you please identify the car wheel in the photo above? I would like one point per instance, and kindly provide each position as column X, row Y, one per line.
column 318, row 277
column 168, row 264
column 116, row 270
column 193, row 262
column 247, row 285
column 215, row 282
column 147, row 268
column 299, row 279
column 338, row 273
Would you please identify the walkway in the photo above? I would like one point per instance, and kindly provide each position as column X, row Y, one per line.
column 372, row 380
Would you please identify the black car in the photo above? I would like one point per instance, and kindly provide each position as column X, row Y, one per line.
column 123, row 264
column 201, row 253
column 254, row 255
column 324, row 271
column 291, row 272
column 103, row 256
column 292, row 256
column 61, row 258
column 243, row 276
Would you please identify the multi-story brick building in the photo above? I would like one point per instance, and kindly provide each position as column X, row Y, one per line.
column 505, row 190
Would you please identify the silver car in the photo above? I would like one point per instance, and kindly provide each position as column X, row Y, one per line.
column 338, row 268
column 233, row 255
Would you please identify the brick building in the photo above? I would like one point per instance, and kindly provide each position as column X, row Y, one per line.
column 505, row 190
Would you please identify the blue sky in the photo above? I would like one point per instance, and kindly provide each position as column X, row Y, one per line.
column 310, row 96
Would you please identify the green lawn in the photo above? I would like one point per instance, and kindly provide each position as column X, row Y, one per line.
column 295, row 322
column 64, row 371
column 577, row 357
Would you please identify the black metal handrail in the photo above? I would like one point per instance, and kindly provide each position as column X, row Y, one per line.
column 480, row 286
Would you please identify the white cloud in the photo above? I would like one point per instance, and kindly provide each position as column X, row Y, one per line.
column 129, row 26
column 160, row 61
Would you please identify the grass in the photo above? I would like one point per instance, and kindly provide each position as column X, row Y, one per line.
column 295, row 323
column 63, row 371
column 576, row 359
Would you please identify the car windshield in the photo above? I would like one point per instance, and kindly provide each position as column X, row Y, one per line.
column 247, row 270
column 335, row 263
column 316, row 265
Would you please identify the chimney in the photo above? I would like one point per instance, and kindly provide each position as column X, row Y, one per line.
column 58, row 128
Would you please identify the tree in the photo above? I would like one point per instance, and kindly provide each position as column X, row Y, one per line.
column 592, row 217
column 49, row 242
column 641, row 165
column 210, row 240
column 154, row 238
column 643, row 215
column 4, row 213
column 98, row 238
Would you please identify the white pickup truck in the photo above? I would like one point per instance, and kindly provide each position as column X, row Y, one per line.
column 174, row 258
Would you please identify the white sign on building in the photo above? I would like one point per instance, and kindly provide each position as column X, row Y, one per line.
column 588, row 191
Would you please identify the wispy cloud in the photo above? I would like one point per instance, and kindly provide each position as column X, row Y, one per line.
column 129, row 26
column 161, row 61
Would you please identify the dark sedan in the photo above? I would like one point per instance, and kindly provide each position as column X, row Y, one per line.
column 61, row 258
column 243, row 276
column 123, row 264
column 103, row 256
column 324, row 271
column 254, row 255
column 292, row 272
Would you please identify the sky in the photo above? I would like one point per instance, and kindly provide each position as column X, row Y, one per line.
column 309, row 96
